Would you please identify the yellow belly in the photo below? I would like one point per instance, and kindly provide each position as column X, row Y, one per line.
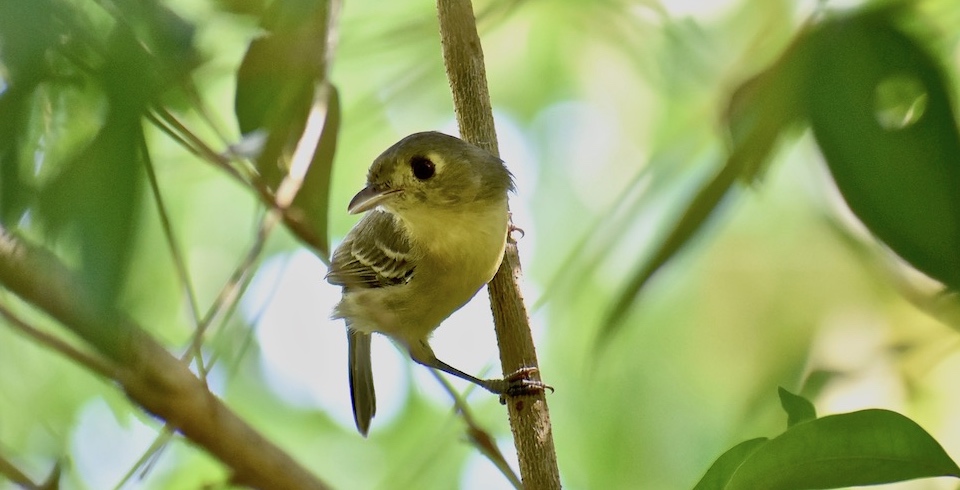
column 461, row 254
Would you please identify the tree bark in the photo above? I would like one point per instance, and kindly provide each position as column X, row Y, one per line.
column 529, row 416
column 147, row 372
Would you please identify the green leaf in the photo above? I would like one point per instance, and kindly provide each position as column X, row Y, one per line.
column 798, row 408
column 727, row 464
column 764, row 107
column 92, row 198
column 131, row 77
column 861, row 448
column 95, row 201
column 881, row 112
column 278, row 78
column 26, row 36
column 14, row 191
column 165, row 38
column 243, row 7
column 758, row 114
column 699, row 210
column 307, row 216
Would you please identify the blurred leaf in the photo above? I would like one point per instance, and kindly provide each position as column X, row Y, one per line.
column 307, row 215
column 25, row 36
column 881, row 112
column 132, row 76
column 164, row 35
column 246, row 7
column 93, row 196
column 693, row 219
column 41, row 129
column 759, row 112
column 763, row 107
column 96, row 200
column 14, row 192
column 817, row 380
column 278, row 78
column 868, row 447
column 798, row 408
column 727, row 464
column 852, row 77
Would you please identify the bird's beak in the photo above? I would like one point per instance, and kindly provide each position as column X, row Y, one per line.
column 370, row 197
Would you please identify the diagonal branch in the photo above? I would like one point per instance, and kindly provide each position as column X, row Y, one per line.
column 93, row 363
column 478, row 437
column 11, row 472
column 149, row 375
column 529, row 416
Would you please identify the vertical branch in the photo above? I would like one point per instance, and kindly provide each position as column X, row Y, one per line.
column 529, row 416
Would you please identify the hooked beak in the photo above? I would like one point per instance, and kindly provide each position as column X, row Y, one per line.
column 369, row 198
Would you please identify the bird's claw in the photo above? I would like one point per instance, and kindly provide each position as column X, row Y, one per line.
column 521, row 383
column 513, row 229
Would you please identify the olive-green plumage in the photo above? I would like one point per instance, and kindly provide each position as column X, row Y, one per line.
column 433, row 234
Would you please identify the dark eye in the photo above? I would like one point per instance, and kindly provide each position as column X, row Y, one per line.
column 422, row 167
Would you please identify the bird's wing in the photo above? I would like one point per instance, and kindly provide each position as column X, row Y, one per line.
column 376, row 253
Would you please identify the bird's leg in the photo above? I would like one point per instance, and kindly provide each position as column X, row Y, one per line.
column 517, row 383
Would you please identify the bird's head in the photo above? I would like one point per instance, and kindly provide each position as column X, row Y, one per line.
column 432, row 170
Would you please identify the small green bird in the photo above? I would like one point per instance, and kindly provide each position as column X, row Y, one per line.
column 434, row 234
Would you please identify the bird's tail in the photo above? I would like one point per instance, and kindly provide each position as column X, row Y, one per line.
column 361, row 379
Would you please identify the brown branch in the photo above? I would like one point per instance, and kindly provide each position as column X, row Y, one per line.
column 529, row 416
column 173, row 245
column 226, row 299
column 164, row 120
column 93, row 363
column 11, row 472
column 150, row 375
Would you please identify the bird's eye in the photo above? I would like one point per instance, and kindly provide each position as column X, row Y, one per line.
column 422, row 167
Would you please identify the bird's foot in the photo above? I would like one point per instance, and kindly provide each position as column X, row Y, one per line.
column 521, row 382
column 514, row 229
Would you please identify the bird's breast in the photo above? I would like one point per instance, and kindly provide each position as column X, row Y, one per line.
column 461, row 253
column 467, row 246
column 457, row 253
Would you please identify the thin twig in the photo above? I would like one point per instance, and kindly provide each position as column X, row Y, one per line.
column 195, row 351
column 620, row 208
column 9, row 470
column 179, row 263
column 146, row 371
column 169, row 124
column 247, row 340
column 92, row 362
column 287, row 190
column 479, row 438
column 199, row 105
column 230, row 293
column 148, row 456
column 222, row 306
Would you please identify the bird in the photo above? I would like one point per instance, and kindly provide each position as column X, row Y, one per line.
column 433, row 234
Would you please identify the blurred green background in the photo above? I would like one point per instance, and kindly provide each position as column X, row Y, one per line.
column 611, row 116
